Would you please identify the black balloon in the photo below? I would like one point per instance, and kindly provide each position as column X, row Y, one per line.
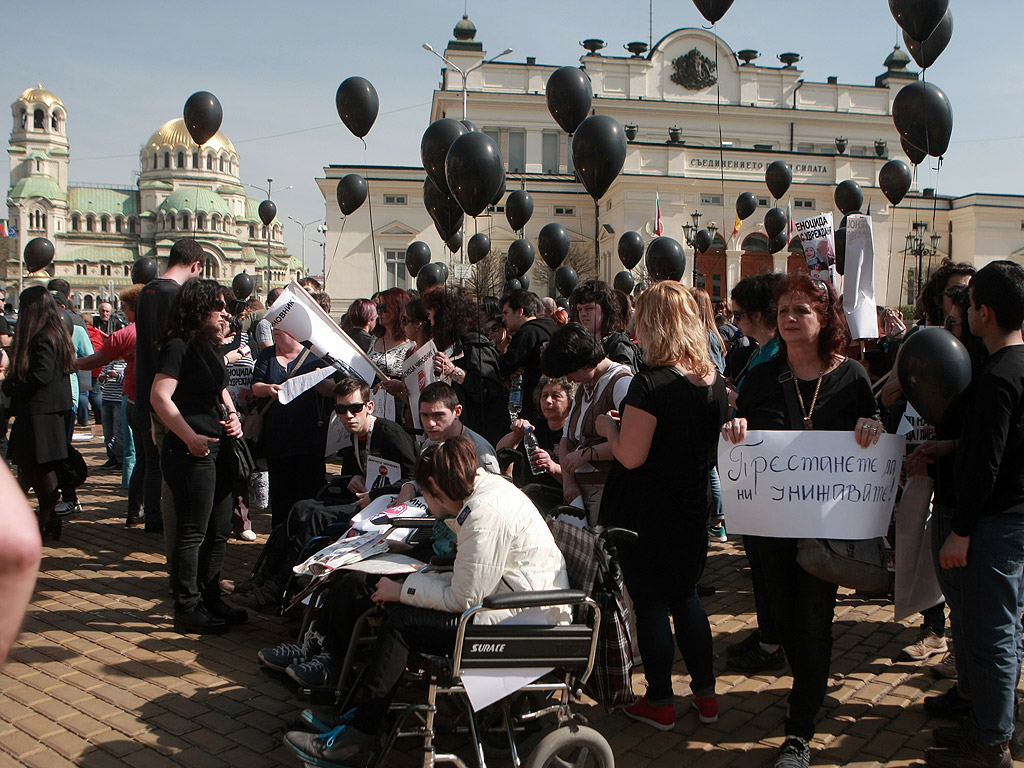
column 565, row 280
column 918, row 18
column 569, row 95
column 746, row 204
column 203, row 116
column 521, row 256
column 475, row 171
column 778, row 176
column 840, row 237
column 242, row 285
column 775, row 221
column 933, row 369
column 777, row 242
column 143, row 271
column 518, row 209
column 267, row 211
column 848, row 196
column 666, row 259
column 38, row 254
column 924, row 117
column 352, row 191
column 553, row 243
column 444, row 271
column 894, row 179
column 623, row 281
column 510, row 271
column 478, row 247
column 702, row 240
column 434, row 146
column 443, row 210
column 598, row 152
column 712, row 10
column 469, row 125
column 916, row 154
column 925, row 53
column 417, row 256
column 454, row 242
column 357, row 105
column 515, row 284
column 501, row 190
column 430, row 275
column 524, row 280
column 631, row 249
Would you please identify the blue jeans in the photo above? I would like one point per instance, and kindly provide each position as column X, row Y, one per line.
column 129, row 453
column 986, row 599
column 717, row 511
column 112, row 434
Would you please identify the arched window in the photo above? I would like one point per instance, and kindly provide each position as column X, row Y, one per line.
column 90, row 224
column 156, row 161
column 105, row 224
column 181, row 159
column 755, row 242
column 131, row 225
column 209, row 162
column 76, row 223
column 43, row 225
column 39, row 165
column 222, row 165
column 186, row 221
column 39, row 120
column 201, row 221
column 24, row 117
column 195, row 159
column 54, row 122
column 252, row 231
column 118, row 224
column 167, row 159
column 127, row 271
column 264, row 233
column 87, row 303
column 170, row 221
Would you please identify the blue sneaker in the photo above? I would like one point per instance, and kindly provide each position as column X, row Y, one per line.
column 324, row 720
column 341, row 747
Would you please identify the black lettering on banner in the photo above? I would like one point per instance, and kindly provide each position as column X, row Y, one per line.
column 284, row 311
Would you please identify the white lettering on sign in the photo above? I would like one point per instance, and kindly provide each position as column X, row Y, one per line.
column 487, row 648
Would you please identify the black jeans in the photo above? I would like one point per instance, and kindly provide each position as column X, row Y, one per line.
column 405, row 629
column 201, row 493
column 143, row 431
column 804, row 607
column 292, row 479
column 762, row 604
column 346, row 600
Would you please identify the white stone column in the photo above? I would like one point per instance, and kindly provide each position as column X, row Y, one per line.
column 732, row 271
column 779, row 261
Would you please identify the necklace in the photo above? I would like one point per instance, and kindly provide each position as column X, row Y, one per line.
column 807, row 414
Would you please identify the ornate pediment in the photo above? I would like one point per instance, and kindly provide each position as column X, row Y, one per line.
column 694, row 71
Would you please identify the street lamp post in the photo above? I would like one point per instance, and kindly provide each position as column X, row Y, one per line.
column 322, row 229
column 267, row 192
column 690, row 233
column 302, row 247
column 916, row 247
column 465, row 74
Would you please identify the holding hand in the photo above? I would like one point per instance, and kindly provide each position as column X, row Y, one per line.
column 542, row 460
column 232, row 425
column 199, row 445
column 868, row 431
column 388, row 591
column 519, row 427
column 735, row 431
column 607, row 424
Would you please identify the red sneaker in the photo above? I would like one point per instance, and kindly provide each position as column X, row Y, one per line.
column 663, row 718
column 707, row 708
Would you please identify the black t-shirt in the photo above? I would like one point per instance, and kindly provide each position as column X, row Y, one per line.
column 201, row 376
column 154, row 301
column 547, row 438
column 5, row 329
column 845, row 396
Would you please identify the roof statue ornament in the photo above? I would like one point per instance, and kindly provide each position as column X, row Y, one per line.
column 694, row 71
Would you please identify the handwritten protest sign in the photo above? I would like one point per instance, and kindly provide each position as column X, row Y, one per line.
column 418, row 372
column 793, row 484
column 859, row 278
column 817, row 237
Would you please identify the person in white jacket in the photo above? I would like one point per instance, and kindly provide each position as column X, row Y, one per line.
column 503, row 545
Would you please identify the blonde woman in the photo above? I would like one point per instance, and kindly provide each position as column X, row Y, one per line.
column 664, row 443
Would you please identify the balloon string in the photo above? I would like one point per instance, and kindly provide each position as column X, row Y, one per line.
column 888, row 272
column 721, row 146
column 327, row 272
column 369, row 210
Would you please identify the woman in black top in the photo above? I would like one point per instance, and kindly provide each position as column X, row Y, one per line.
column 660, row 487
column 188, row 396
column 828, row 392
column 37, row 382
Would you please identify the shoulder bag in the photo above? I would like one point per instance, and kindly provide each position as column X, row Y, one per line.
column 252, row 429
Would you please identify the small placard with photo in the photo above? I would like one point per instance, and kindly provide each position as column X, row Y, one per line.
column 380, row 473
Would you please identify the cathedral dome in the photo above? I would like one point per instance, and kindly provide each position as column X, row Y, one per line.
column 39, row 95
column 173, row 133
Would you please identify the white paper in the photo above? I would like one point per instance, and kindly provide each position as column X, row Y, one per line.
column 417, row 373
column 914, row 426
column 917, row 586
column 383, row 404
column 337, row 436
column 391, row 564
column 296, row 385
column 296, row 313
column 486, row 686
column 859, row 278
column 381, row 473
column 809, row 484
column 817, row 237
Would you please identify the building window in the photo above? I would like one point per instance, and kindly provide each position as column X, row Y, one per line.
column 808, row 204
column 76, row 224
column 78, row 269
column 495, row 135
column 710, row 199
column 252, row 231
column 858, row 151
column 127, row 271
column 39, row 166
column 87, row 303
column 221, row 165
column 131, row 225
column 181, row 159
column 516, row 151
column 394, row 266
column 105, row 224
column 762, row 202
column 396, row 200
column 564, row 210
column 90, row 224
column 156, row 161
column 209, row 162
column 716, row 286
column 186, row 221
column 195, row 159
column 263, row 234
column 171, row 221
column 549, row 152
column 167, row 159
column 755, row 242
column 804, row 147
column 39, row 120
column 118, row 224
column 201, row 221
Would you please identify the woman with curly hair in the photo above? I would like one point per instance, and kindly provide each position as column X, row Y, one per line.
column 190, row 397
column 469, row 359
column 37, row 382
column 389, row 350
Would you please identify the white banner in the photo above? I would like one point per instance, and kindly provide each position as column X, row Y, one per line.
column 859, row 278
column 819, row 243
column 418, row 372
column 296, row 385
column 296, row 313
column 796, row 484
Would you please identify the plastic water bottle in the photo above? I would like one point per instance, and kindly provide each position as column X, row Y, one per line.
column 515, row 398
column 530, row 445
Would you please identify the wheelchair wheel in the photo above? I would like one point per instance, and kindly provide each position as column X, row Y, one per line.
column 572, row 746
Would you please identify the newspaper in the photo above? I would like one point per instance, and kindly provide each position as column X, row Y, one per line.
column 341, row 553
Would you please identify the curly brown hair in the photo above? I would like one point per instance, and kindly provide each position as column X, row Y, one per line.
column 455, row 314
column 834, row 335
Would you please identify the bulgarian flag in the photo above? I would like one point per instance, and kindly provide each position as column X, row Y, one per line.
column 3, row 229
column 789, row 220
column 657, row 218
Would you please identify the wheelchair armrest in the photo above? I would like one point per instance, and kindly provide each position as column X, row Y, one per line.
column 404, row 522
column 619, row 534
column 336, row 530
column 537, row 599
column 443, row 561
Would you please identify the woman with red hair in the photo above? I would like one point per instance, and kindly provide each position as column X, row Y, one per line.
column 389, row 351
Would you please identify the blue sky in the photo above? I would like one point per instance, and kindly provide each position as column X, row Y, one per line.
column 124, row 68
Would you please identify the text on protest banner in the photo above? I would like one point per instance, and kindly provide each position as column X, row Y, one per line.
column 417, row 373
column 859, row 278
column 817, row 238
column 793, row 484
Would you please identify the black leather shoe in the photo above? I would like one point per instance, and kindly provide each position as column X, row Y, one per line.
column 135, row 518
column 198, row 621
column 950, row 705
column 226, row 613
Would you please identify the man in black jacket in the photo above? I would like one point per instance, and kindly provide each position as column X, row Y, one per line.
column 529, row 334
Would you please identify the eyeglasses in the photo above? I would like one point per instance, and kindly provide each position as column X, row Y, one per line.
column 950, row 322
column 353, row 408
column 218, row 306
column 737, row 314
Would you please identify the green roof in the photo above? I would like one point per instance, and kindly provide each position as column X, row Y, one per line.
column 101, row 254
column 196, row 200
column 36, row 186
column 156, row 185
column 114, row 202
column 38, row 155
column 252, row 211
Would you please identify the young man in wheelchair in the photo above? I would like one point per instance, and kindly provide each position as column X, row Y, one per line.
column 503, row 545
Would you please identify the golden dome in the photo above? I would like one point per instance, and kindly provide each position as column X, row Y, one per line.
column 173, row 133
column 39, row 94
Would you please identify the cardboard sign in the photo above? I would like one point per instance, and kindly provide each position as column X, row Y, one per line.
column 795, row 484
column 859, row 278
column 380, row 473
column 819, row 243
column 417, row 373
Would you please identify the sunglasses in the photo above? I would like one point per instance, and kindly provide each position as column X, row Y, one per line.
column 950, row 322
column 218, row 306
column 354, row 408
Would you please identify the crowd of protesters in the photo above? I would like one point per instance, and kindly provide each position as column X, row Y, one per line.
column 603, row 407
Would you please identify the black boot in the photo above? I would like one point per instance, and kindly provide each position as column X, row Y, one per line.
column 198, row 621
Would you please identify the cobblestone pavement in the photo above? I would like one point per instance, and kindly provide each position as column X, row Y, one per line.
column 98, row 677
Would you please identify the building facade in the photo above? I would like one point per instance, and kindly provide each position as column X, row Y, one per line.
column 99, row 231
column 703, row 122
